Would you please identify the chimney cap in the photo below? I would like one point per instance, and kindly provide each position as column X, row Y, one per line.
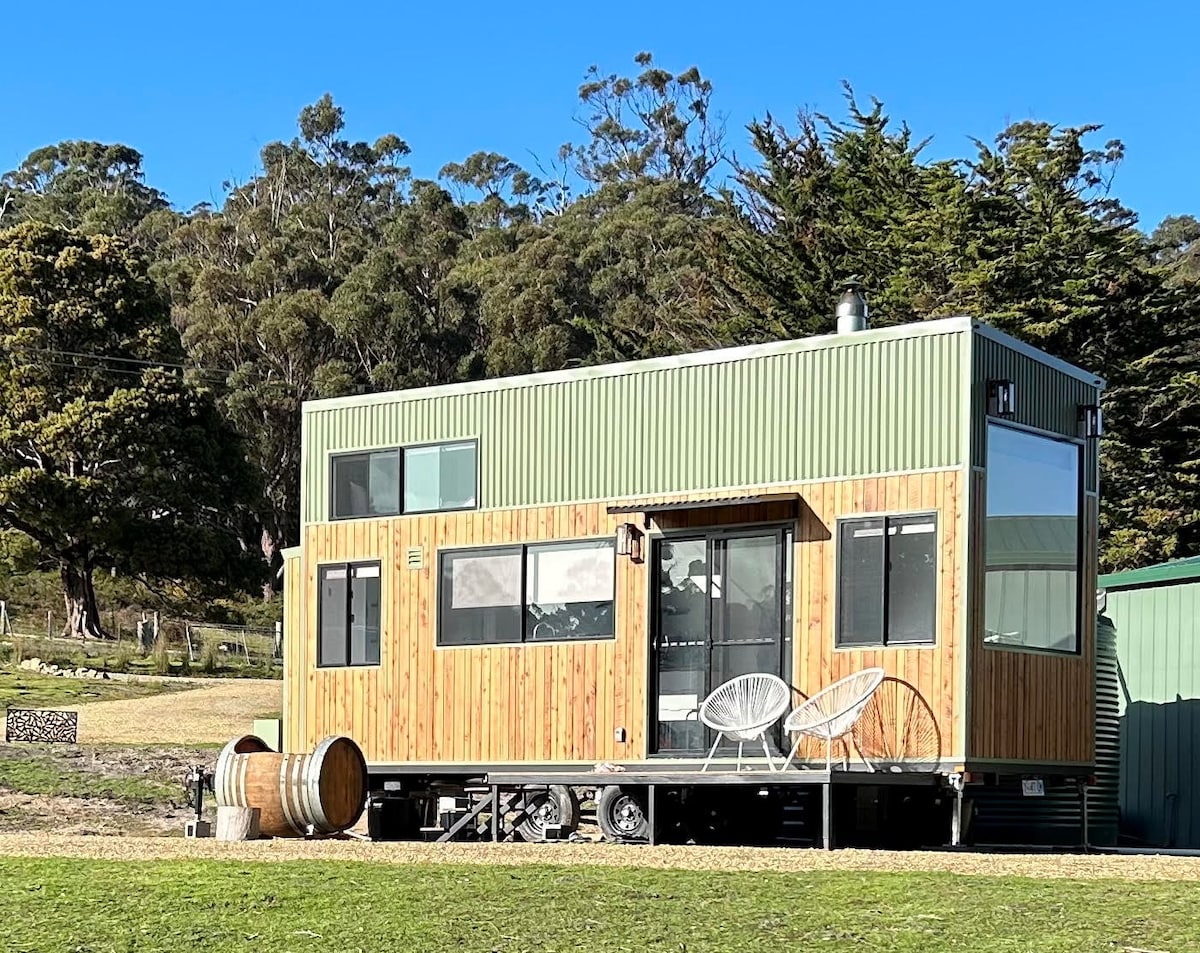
column 851, row 307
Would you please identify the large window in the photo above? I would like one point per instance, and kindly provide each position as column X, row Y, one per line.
column 887, row 580
column 405, row 480
column 540, row 592
column 348, row 614
column 1034, row 497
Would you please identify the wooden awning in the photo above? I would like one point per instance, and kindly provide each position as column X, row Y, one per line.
column 704, row 503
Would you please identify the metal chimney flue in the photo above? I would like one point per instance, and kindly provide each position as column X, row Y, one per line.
column 851, row 308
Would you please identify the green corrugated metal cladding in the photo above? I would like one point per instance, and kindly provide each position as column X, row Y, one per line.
column 878, row 401
column 1046, row 397
column 1158, row 647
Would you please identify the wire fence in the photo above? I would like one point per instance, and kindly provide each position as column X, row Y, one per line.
column 151, row 642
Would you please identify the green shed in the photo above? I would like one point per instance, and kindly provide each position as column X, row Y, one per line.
column 1156, row 612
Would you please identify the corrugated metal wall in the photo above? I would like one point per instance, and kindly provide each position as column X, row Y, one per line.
column 1046, row 398
column 846, row 408
column 1157, row 633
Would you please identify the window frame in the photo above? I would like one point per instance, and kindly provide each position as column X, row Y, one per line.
column 1081, row 495
column 399, row 450
column 884, row 643
column 523, row 547
column 349, row 566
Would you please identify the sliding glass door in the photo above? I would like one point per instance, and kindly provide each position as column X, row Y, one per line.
column 722, row 608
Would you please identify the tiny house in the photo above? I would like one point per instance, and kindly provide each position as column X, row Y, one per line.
column 551, row 571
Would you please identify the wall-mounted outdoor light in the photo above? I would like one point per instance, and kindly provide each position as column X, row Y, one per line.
column 1001, row 398
column 629, row 541
column 1091, row 420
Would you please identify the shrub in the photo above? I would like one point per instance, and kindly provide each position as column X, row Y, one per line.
column 161, row 659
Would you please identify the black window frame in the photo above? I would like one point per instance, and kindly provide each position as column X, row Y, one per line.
column 349, row 567
column 887, row 519
column 1081, row 494
column 523, row 634
column 399, row 451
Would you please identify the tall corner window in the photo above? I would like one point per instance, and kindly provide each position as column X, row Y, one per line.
column 366, row 484
column 887, row 580
column 1033, row 540
column 348, row 614
column 440, row 477
column 526, row 593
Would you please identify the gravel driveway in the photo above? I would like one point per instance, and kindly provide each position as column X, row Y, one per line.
column 212, row 712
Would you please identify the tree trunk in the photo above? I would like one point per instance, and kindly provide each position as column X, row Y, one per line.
column 79, row 597
column 272, row 553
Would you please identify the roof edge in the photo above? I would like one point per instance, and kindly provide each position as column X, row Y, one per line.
column 1176, row 570
column 725, row 355
column 992, row 333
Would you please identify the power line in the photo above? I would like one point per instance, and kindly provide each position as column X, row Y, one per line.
column 217, row 375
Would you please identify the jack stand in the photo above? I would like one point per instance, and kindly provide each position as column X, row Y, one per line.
column 201, row 779
column 956, row 782
column 1083, row 814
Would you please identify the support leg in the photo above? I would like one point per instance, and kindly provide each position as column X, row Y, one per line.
column 651, row 813
column 791, row 754
column 827, row 815
column 767, row 752
column 712, row 751
column 828, row 754
column 1083, row 815
column 495, row 813
column 739, row 764
column 956, row 782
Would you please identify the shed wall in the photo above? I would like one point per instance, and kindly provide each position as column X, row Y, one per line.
column 844, row 408
column 1158, row 647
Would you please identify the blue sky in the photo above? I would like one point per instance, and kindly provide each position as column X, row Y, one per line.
column 199, row 89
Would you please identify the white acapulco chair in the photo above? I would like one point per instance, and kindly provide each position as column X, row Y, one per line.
column 832, row 712
column 743, row 709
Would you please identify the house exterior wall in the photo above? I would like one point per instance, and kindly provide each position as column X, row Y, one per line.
column 561, row 702
column 819, row 408
column 884, row 421
column 1030, row 707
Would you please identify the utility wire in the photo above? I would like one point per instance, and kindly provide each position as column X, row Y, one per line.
column 101, row 362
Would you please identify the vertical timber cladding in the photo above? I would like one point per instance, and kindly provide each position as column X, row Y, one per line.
column 1028, row 706
column 296, row 652
column 562, row 701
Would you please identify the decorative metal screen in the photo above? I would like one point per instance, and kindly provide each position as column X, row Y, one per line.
column 40, row 724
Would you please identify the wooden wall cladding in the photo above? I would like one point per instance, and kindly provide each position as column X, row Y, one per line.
column 562, row 701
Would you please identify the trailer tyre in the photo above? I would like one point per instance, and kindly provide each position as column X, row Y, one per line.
column 621, row 813
column 555, row 805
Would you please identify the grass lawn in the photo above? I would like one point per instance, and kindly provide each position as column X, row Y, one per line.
column 23, row 689
column 89, row 906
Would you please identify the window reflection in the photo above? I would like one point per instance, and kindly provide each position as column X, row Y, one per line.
column 1032, row 540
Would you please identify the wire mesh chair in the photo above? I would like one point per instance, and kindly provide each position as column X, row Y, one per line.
column 743, row 709
column 832, row 713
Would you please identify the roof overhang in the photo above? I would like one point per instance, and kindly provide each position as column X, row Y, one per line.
column 648, row 509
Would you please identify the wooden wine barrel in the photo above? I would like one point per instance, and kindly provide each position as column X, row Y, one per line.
column 325, row 791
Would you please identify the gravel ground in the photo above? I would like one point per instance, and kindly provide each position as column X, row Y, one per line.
column 212, row 712
column 1083, row 867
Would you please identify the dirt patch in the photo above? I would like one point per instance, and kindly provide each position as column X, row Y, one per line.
column 116, row 790
column 212, row 713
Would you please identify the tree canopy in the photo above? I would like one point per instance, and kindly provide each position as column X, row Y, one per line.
column 334, row 271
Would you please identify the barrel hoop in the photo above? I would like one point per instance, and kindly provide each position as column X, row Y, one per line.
column 284, row 791
column 296, row 787
column 316, row 808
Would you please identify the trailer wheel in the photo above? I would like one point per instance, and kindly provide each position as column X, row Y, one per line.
column 621, row 813
column 555, row 805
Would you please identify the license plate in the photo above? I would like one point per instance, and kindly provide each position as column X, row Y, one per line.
column 1034, row 788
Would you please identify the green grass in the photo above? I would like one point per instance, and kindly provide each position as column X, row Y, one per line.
column 48, row 906
column 48, row 778
column 23, row 689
